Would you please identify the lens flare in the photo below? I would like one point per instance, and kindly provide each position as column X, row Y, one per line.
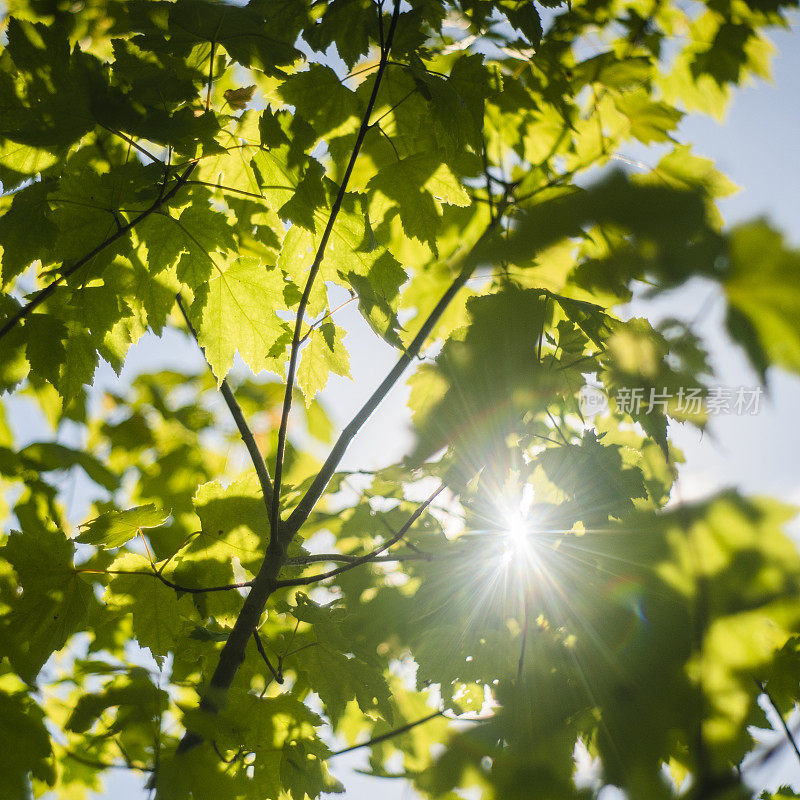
column 516, row 533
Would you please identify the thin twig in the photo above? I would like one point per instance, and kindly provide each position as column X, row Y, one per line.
column 489, row 190
column 784, row 724
column 557, row 426
column 167, row 582
column 315, row 325
column 349, row 559
column 369, row 556
column 394, row 107
column 134, row 144
column 265, row 582
column 390, row 735
column 91, row 762
column 274, row 545
column 48, row 290
column 211, row 68
column 411, row 545
column 315, row 491
column 263, row 653
column 521, row 662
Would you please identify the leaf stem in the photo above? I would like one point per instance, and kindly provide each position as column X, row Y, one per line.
column 224, row 188
column 263, row 653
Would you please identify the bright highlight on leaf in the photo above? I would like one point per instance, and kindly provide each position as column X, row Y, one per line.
column 115, row 528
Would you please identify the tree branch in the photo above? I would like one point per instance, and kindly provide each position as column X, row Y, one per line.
column 133, row 143
column 91, row 762
column 390, row 735
column 274, row 545
column 265, row 582
column 369, row 556
column 241, row 423
column 317, row 558
column 48, row 290
column 315, row 491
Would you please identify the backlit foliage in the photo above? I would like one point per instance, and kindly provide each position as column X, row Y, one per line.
column 486, row 180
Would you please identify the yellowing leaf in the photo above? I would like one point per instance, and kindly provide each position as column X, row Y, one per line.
column 239, row 98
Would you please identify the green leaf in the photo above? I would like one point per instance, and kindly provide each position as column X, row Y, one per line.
column 322, row 99
column 134, row 696
column 234, row 522
column 347, row 24
column 158, row 614
column 22, row 722
column 304, row 772
column 19, row 162
column 29, row 211
column 611, row 71
column 496, row 355
column 47, row 456
column 294, row 191
column 196, row 240
column 54, row 601
column 594, row 477
column 251, row 36
column 235, row 313
column 114, row 528
column 86, row 207
column 649, row 121
column 353, row 261
column 760, row 284
column 413, row 187
column 324, row 353
column 56, row 88
column 338, row 678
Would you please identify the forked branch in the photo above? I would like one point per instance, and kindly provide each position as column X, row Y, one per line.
column 369, row 556
column 323, row 243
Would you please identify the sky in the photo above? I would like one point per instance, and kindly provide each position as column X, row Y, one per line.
column 758, row 147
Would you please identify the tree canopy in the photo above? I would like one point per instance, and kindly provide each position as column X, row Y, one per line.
column 487, row 181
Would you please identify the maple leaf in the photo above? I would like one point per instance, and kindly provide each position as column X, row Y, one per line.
column 235, row 314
